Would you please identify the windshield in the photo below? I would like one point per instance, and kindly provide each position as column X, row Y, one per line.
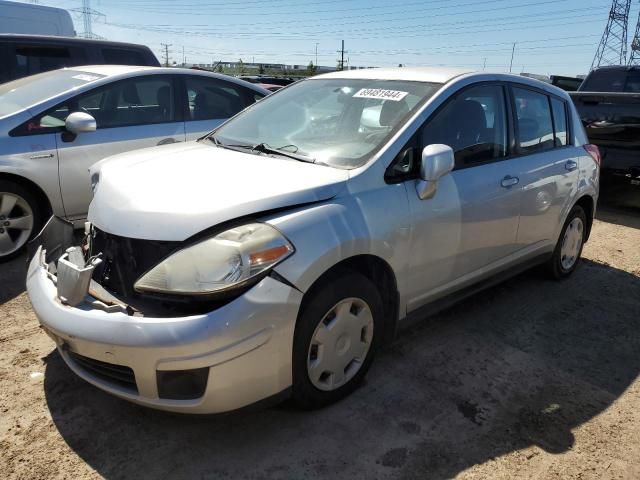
column 28, row 91
column 338, row 122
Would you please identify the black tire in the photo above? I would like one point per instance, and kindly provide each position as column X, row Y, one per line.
column 320, row 300
column 32, row 201
column 554, row 265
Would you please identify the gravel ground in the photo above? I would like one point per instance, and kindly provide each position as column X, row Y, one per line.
column 530, row 379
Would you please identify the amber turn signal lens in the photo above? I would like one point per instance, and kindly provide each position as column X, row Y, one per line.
column 270, row 255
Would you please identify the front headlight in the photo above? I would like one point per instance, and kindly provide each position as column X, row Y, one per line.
column 227, row 260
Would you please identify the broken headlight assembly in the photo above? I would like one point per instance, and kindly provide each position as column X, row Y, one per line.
column 225, row 261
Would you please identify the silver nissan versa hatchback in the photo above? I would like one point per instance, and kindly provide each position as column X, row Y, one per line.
column 277, row 254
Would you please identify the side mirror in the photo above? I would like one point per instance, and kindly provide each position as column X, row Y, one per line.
column 437, row 161
column 79, row 122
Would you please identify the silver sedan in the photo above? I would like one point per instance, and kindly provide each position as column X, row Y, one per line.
column 55, row 125
column 276, row 255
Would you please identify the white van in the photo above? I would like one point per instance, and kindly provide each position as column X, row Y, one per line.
column 35, row 19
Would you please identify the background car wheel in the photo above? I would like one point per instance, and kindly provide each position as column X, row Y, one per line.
column 20, row 219
column 338, row 332
column 569, row 248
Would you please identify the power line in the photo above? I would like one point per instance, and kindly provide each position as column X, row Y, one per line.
column 434, row 32
column 451, row 10
column 300, row 30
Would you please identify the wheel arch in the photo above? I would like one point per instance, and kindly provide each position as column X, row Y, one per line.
column 380, row 273
column 588, row 205
column 43, row 200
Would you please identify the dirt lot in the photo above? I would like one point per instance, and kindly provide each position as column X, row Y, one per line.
column 531, row 379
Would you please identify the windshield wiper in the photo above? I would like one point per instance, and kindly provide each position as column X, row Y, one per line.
column 238, row 147
column 265, row 148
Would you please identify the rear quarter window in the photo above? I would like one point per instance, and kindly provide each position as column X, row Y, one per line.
column 32, row 59
column 123, row 56
column 619, row 80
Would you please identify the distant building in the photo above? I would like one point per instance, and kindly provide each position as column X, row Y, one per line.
column 255, row 67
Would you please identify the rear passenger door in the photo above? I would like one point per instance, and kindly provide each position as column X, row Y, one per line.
column 210, row 101
column 130, row 114
column 549, row 163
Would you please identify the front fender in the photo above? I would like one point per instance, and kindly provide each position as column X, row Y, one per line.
column 326, row 234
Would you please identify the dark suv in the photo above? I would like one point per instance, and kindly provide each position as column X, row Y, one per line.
column 23, row 55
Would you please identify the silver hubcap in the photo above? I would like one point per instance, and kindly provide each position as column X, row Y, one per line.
column 572, row 243
column 16, row 222
column 340, row 344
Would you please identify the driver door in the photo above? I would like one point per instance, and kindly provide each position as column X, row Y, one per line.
column 472, row 222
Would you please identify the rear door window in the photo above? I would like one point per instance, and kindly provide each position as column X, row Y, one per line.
column 533, row 121
column 211, row 98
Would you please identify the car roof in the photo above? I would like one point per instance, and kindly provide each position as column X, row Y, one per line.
column 25, row 37
column 416, row 74
column 126, row 70
column 111, row 70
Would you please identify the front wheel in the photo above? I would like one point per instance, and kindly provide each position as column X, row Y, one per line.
column 569, row 247
column 336, row 337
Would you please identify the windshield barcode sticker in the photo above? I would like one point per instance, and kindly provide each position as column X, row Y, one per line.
column 379, row 93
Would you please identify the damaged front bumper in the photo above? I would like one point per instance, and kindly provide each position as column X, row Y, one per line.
column 226, row 359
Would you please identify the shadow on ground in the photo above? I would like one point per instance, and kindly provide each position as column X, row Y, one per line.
column 521, row 364
column 620, row 206
column 13, row 276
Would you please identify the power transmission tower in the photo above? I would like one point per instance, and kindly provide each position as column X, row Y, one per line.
column 613, row 46
column 634, row 58
column 88, row 15
column 166, row 53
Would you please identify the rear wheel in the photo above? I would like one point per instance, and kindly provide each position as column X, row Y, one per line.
column 567, row 253
column 336, row 337
column 20, row 218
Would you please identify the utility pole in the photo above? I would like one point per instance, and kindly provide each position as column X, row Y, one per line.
column 342, row 52
column 485, row 64
column 613, row 45
column 316, row 64
column 513, row 51
column 166, row 53
column 184, row 60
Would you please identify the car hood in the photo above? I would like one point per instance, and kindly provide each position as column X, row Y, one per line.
column 172, row 192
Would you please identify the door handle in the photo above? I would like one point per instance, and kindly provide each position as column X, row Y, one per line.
column 509, row 181
column 167, row 141
column 571, row 165
column 43, row 155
